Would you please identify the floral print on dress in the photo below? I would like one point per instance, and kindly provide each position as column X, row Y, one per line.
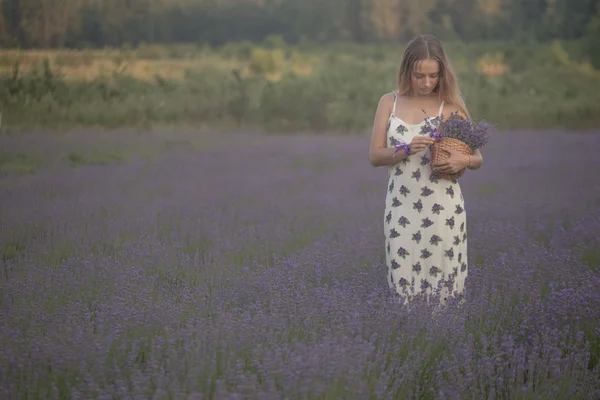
column 425, row 221
column 425, row 192
column 417, row 267
column 402, row 252
column 417, row 237
column 435, row 240
column 403, row 221
column 418, row 206
column 417, row 175
column 437, row 208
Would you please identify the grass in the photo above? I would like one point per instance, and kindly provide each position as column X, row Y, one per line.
column 332, row 88
column 17, row 163
column 591, row 258
column 487, row 189
column 29, row 152
column 77, row 159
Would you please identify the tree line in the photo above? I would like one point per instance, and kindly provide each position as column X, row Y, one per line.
column 116, row 23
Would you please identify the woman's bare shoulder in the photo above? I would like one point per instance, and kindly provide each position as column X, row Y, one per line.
column 451, row 108
column 386, row 102
column 387, row 98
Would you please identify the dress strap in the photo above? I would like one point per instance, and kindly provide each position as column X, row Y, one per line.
column 441, row 108
column 394, row 106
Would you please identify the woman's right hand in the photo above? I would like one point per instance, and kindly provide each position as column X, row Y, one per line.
column 420, row 143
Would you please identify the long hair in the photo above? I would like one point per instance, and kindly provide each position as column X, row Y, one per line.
column 425, row 47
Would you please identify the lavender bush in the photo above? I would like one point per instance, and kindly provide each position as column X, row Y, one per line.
column 221, row 274
column 476, row 134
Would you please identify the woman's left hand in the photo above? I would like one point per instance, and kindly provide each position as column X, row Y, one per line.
column 456, row 162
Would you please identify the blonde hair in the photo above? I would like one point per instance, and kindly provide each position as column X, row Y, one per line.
column 425, row 47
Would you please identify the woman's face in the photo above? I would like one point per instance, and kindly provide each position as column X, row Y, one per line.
column 425, row 77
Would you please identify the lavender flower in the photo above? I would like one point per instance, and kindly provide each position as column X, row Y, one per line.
column 475, row 134
column 202, row 274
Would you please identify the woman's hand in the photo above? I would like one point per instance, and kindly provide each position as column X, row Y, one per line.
column 455, row 162
column 420, row 143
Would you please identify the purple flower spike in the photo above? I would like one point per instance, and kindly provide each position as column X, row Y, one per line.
column 202, row 274
column 434, row 134
column 475, row 134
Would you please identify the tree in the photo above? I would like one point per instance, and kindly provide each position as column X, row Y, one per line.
column 417, row 16
column 46, row 22
column 52, row 23
column 385, row 18
column 3, row 35
column 593, row 38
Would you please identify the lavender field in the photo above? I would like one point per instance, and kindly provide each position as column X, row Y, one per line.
column 196, row 266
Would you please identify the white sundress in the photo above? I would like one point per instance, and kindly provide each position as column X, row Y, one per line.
column 425, row 221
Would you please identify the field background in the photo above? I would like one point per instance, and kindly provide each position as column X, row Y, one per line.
column 285, row 88
column 153, row 265
column 187, row 210
column 287, row 65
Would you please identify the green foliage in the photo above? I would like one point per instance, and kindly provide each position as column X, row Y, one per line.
column 275, row 42
column 150, row 52
column 74, row 59
column 9, row 60
column 144, row 23
column 525, row 86
column 238, row 50
column 78, row 159
column 265, row 61
column 10, row 251
column 593, row 39
column 19, row 163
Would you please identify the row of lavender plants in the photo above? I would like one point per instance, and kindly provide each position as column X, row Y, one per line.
column 259, row 273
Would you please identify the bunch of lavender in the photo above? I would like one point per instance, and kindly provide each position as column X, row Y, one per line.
column 475, row 134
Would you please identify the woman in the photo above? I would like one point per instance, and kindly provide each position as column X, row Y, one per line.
column 425, row 220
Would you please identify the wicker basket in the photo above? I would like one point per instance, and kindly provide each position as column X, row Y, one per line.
column 439, row 153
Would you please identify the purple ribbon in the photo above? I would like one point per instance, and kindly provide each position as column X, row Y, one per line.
column 406, row 146
column 403, row 146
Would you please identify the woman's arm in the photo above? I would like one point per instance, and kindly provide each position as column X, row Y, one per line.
column 379, row 154
column 476, row 160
